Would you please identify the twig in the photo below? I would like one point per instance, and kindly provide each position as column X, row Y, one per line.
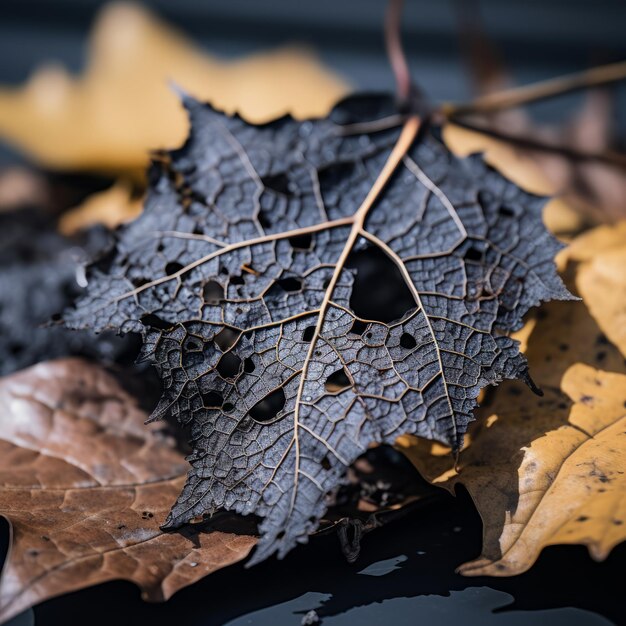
column 518, row 96
column 395, row 52
column 610, row 157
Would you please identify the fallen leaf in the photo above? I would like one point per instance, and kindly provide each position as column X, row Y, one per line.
column 526, row 455
column 122, row 106
column 110, row 207
column 302, row 299
column 601, row 278
column 83, row 484
column 38, row 279
column 544, row 472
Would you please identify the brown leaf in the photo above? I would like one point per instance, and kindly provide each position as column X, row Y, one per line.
column 83, row 484
column 123, row 106
column 545, row 471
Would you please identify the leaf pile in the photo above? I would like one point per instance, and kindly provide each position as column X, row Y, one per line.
column 252, row 272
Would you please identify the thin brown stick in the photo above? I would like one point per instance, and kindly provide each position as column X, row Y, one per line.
column 609, row 157
column 518, row 96
column 395, row 52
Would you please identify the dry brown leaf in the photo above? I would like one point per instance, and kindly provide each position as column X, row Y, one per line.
column 533, row 489
column 123, row 106
column 110, row 207
column 84, row 485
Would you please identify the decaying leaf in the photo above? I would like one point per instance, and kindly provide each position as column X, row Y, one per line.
column 549, row 470
column 308, row 288
column 84, row 484
column 122, row 106
column 38, row 279
column 543, row 472
column 561, row 216
column 601, row 278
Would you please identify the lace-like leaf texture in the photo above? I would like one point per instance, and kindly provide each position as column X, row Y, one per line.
column 263, row 274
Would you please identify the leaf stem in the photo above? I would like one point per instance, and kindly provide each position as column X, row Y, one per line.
column 610, row 157
column 543, row 90
column 395, row 51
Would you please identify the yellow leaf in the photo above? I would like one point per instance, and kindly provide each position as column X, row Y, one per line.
column 532, row 490
column 601, row 278
column 122, row 106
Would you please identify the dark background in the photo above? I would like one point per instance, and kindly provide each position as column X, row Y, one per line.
column 415, row 584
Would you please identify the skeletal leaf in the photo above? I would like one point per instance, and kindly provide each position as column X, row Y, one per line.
column 308, row 288
column 83, row 484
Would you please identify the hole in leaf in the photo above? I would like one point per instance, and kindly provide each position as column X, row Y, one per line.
column 473, row 254
column 139, row 282
column 228, row 407
column 226, row 338
column 237, row 280
column 212, row 400
column 228, row 365
column 325, row 463
column 264, row 221
column 379, row 291
column 249, row 366
column 506, row 211
column 193, row 344
column 337, row 381
column 278, row 183
column 172, row 268
column 308, row 333
column 334, row 175
column 223, row 271
column 358, row 327
column 407, row 341
column 16, row 348
column 212, row 292
column 268, row 408
column 197, row 230
column 154, row 321
column 301, row 242
column 290, row 284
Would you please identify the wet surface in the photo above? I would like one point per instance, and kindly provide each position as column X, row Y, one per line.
column 404, row 576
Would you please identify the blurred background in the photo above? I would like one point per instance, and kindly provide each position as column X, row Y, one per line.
column 537, row 38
